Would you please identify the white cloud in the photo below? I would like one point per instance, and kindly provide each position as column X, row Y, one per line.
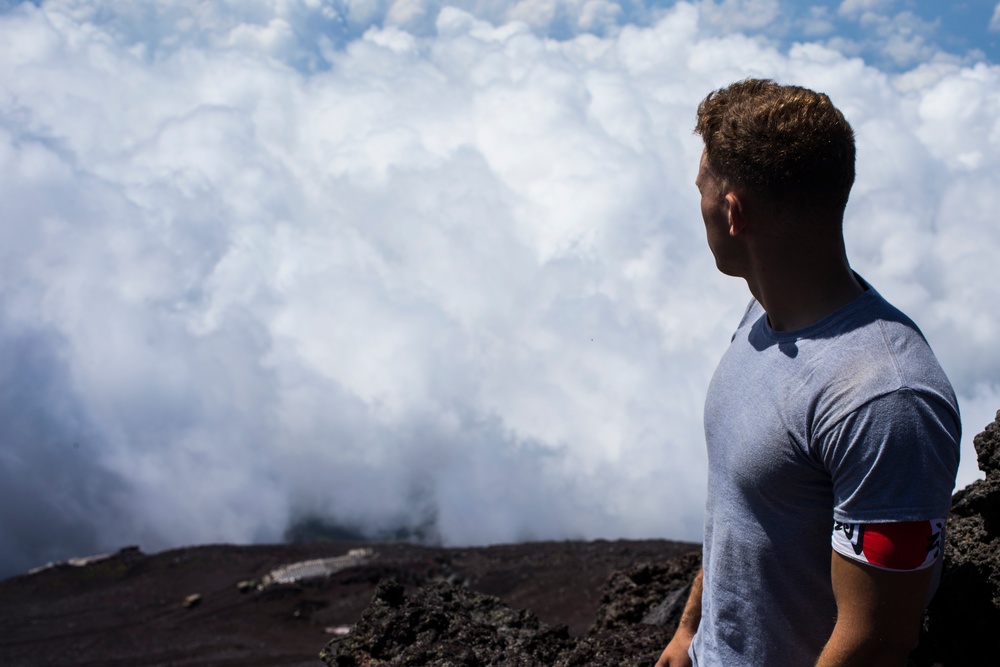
column 857, row 8
column 995, row 20
column 903, row 39
column 907, row 38
column 817, row 22
column 448, row 270
column 737, row 15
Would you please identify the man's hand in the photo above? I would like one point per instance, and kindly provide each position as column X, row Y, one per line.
column 878, row 614
column 676, row 653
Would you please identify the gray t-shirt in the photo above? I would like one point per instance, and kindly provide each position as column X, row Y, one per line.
column 850, row 419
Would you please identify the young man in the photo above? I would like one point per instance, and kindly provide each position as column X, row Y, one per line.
column 832, row 431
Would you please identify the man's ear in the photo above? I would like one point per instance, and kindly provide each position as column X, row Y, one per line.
column 737, row 213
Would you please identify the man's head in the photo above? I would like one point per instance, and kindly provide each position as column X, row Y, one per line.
column 787, row 145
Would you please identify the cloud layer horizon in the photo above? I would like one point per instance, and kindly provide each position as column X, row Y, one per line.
column 416, row 265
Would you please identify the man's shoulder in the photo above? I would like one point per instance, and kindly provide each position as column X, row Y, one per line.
column 751, row 313
column 878, row 354
column 886, row 337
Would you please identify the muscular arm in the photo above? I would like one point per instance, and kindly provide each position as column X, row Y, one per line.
column 878, row 614
column 676, row 653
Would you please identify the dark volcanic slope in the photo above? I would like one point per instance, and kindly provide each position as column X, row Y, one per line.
column 129, row 610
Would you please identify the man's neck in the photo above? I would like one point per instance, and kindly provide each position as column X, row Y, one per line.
column 799, row 289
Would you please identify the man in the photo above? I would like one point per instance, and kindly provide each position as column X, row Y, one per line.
column 832, row 431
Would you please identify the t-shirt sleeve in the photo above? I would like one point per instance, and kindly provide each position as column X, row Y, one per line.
column 900, row 546
column 893, row 459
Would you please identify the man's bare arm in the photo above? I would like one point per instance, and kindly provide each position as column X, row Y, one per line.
column 878, row 614
column 676, row 653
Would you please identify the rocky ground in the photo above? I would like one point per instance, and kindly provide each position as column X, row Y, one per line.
column 129, row 609
column 446, row 625
column 558, row 604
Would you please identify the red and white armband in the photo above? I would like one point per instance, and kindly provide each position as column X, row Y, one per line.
column 900, row 546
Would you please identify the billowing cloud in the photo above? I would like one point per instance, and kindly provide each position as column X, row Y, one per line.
column 414, row 267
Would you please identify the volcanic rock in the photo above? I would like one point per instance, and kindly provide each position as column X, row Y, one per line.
column 445, row 625
column 651, row 594
column 449, row 625
column 962, row 625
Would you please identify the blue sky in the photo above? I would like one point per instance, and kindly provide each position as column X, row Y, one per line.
column 958, row 28
column 890, row 34
column 403, row 263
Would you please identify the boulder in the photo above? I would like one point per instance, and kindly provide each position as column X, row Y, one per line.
column 448, row 625
column 651, row 594
column 962, row 624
